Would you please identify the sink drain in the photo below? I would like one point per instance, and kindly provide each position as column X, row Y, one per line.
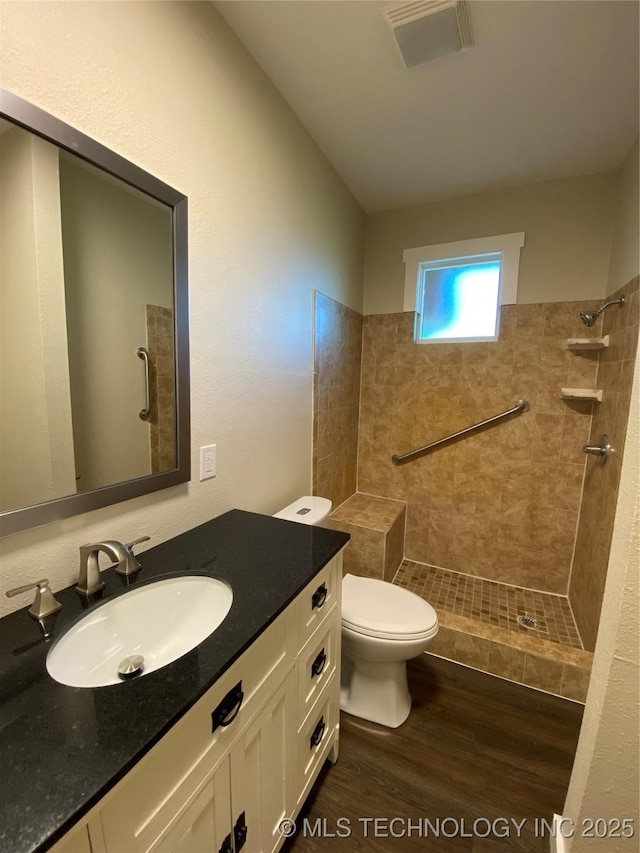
column 527, row 621
column 131, row 667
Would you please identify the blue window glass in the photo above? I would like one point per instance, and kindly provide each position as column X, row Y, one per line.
column 459, row 300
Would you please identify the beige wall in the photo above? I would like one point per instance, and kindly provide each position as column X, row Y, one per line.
column 624, row 263
column 117, row 258
column 52, row 320
column 36, row 458
column 168, row 86
column 567, row 225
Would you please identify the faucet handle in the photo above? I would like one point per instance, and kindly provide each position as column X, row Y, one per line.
column 130, row 566
column 130, row 545
column 27, row 587
column 44, row 604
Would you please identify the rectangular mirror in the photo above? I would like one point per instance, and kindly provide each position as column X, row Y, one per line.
column 94, row 348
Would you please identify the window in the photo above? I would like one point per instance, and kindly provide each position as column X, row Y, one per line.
column 457, row 288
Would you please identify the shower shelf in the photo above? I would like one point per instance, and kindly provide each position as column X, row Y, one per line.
column 584, row 344
column 581, row 394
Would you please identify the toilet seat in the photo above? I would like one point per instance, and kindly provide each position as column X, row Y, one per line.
column 375, row 608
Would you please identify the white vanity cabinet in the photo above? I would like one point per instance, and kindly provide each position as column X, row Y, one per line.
column 245, row 756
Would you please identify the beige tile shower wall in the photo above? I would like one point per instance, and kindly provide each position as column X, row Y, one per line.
column 162, row 426
column 615, row 377
column 376, row 526
column 336, row 395
column 502, row 504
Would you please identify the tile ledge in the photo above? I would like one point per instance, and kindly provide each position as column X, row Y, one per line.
column 513, row 639
column 510, row 680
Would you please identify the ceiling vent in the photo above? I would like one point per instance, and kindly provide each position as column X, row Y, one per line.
column 428, row 29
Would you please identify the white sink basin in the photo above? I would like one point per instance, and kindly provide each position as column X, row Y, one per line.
column 160, row 621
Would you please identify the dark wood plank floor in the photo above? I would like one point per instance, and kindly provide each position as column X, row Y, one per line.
column 475, row 748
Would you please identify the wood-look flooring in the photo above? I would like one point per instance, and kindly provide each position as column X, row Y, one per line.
column 474, row 747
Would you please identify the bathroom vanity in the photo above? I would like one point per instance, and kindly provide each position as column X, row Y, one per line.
column 209, row 753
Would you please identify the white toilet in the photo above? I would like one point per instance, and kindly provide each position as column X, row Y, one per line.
column 383, row 626
column 307, row 510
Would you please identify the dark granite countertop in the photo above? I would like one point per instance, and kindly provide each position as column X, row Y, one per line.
column 62, row 748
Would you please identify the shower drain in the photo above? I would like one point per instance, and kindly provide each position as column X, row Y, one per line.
column 527, row 621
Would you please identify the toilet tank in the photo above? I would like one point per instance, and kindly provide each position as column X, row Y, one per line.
column 307, row 510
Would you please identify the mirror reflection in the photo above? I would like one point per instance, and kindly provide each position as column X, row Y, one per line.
column 86, row 326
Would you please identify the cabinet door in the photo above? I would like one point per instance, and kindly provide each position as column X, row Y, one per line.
column 263, row 771
column 204, row 823
column 75, row 841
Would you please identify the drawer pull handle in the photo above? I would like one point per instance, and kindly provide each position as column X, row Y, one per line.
column 319, row 663
column 318, row 734
column 240, row 833
column 228, row 709
column 319, row 597
column 227, row 846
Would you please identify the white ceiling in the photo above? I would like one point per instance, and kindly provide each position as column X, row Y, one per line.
column 549, row 90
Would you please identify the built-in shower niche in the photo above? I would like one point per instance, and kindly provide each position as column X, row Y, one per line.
column 504, row 508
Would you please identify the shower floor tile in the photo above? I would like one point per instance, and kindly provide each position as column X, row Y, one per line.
column 492, row 602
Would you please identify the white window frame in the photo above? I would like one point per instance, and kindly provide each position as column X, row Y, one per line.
column 506, row 245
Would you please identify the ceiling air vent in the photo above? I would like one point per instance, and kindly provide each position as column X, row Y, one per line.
column 428, row 29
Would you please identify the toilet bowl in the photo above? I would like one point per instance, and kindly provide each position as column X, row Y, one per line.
column 383, row 626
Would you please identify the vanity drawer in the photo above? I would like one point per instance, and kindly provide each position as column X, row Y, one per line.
column 317, row 663
column 75, row 841
column 317, row 599
column 185, row 757
column 315, row 738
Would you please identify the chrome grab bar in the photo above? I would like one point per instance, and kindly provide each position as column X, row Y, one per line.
column 520, row 407
column 143, row 353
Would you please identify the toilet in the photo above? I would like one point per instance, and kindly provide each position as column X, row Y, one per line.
column 383, row 626
column 307, row 510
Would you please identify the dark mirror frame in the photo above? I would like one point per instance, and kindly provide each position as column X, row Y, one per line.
column 32, row 118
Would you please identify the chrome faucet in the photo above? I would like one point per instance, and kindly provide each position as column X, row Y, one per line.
column 89, row 581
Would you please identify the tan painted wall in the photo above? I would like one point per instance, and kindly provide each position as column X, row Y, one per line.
column 117, row 258
column 52, row 320
column 36, row 454
column 168, row 86
column 567, row 224
column 24, row 476
column 624, row 263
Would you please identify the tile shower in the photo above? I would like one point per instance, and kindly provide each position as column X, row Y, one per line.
column 159, row 327
column 497, row 525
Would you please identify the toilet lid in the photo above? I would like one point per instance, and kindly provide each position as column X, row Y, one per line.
column 380, row 609
column 307, row 510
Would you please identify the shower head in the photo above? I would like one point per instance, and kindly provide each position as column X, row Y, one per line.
column 589, row 317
